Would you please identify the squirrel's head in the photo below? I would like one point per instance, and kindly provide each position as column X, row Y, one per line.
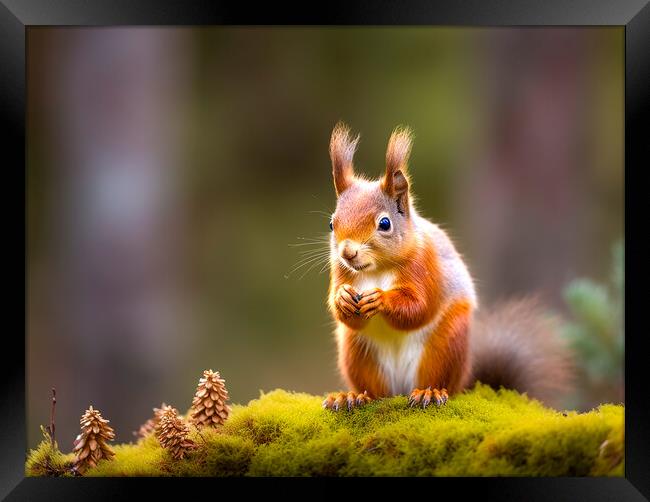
column 371, row 226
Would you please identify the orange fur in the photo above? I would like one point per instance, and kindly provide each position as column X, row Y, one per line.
column 357, row 221
column 416, row 297
column 358, row 366
column 444, row 363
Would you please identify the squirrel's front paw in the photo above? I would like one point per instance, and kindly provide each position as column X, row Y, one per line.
column 427, row 396
column 347, row 300
column 338, row 400
column 371, row 303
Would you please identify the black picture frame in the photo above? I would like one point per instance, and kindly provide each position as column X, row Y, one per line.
column 17, row 15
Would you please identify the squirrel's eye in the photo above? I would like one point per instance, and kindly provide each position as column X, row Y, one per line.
column 384, row 224
column 331, row 225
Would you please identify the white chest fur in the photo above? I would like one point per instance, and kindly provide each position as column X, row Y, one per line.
column 397, row 352
column 365, row 282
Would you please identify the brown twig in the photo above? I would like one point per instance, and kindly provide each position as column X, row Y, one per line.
column 51, row 428
column 199, row 433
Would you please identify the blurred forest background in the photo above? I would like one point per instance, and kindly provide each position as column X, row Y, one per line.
column 169, row 169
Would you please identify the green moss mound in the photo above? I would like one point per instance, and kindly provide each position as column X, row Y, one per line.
column 479, row 433
column 47, row 459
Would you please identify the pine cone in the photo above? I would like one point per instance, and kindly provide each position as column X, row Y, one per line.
column 172, row 433
column 145, row 429
column 209, row 406
column 150, row 425
column 91, row 445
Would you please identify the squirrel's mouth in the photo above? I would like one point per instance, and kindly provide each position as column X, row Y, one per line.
column 353, row 266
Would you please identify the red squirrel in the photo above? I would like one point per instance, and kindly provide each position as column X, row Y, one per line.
column 404, row 301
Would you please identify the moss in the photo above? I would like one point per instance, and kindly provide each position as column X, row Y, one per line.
column 47, row 459
column 146, row 458
column 479, row 433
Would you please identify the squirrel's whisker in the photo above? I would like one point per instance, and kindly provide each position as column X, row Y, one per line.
column 323, row 237
column 305, row 262
column 315, row 264
column 306, row 259
column 308, row 244
column 314, row 251
column 322, row 213
column 325, row 267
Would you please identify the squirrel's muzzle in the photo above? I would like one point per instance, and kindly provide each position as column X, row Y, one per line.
column 349, row 250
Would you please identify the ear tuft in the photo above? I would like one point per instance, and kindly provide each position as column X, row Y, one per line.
column 342, row 148
column 395, row 182
column 399, row 149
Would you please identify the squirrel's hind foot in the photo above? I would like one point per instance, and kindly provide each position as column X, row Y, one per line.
column 336, row 401
column 428, row 396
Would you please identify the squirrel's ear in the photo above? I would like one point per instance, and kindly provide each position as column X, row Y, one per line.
column 342, row 148
column 395, row 182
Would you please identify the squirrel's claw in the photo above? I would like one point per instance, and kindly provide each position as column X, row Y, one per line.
column 415, row 397
column 437, row 396
column 336, row 400
column 363, row 398
column 427, row 396
column 351, row 400
column 328, row 402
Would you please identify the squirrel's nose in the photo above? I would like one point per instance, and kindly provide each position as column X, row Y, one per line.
column 349, row 253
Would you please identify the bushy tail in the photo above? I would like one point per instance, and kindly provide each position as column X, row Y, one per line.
column 517, row 345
